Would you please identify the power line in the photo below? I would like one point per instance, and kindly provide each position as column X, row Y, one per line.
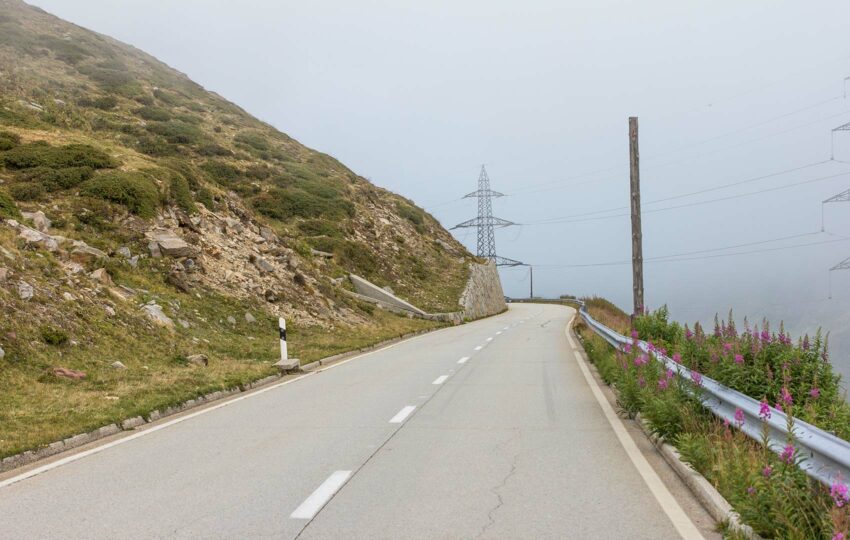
column 570, row 219
column 686, row 255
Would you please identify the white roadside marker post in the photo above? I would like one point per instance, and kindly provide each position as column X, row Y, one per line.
column 285, row 363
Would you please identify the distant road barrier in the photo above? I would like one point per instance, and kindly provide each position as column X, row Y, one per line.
column 825, row 457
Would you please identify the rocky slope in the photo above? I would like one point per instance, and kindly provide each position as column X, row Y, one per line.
column 144, row 219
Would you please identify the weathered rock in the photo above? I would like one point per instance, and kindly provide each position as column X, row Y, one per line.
column 234, row 225
column 121, row 293
column 198, row 359
column 68, row 297
column 133, row 261
column 67, row 373
column 7, row 254
column 155, row 314
column 72, row 268
column 83, row 253
column 38, row 238
column 322, row 254
column 101, row 276
column 4, row 275
column 171, row 245
column 124, row 251
column 184, row 323
column 268, row 234
column 2, row 353
column 117, row 365
column 153, row 247
column 231, row 319
column 38, row 219
column 25, row 290
column 263, row 265
column 249, row 318
column 109, row 310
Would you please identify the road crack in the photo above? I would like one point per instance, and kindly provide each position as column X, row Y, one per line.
column 496, row 490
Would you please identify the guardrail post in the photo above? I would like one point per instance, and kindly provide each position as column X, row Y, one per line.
column 285, row 363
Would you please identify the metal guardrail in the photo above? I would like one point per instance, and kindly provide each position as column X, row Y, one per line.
column 822, row 455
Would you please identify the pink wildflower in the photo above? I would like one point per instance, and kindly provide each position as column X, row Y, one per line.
column 641, row 382
column 786, row 396
column 815, row 393
column 751, row 490
column 697, row 378
column 764, row 410
column 838, row 536
column 688, row 334
column 739, row 359
column 677, row 358
column 663, row 384
column 806, row 343
column 634, row 334
column 669, row 374
column 839, row 494
column 727, row 347
column 627, row 348
column 739, row 417
column 767, row 471
column 788, row 454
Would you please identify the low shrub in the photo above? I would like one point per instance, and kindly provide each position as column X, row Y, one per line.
column 284, row 204
column 42, row 154
column 155, row 114
column 58, row 179
column 212, row 149
column 252, row 139
column 221, row 173
column 412, row 214
column 180, row 194
column 104, row 103
column 9, row 140
column 53, row 336
column 132, row 190
column 319, row 227
column 27, row 191
column 176, row 132
column 8, row 208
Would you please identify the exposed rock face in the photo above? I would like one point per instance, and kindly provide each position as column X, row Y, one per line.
column 157, row 316
column 25, row 290
column 38, row 219
column 101, row 276
column 32, row 236
column 198, row 359
column 84, row 253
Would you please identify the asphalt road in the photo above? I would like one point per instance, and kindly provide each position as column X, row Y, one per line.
column 489, row 429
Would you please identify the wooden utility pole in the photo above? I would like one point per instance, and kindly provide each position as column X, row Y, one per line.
column 637, row 238
column 531, row 275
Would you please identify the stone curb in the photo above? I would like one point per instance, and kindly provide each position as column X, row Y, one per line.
column 75, row 441
column 711, row 499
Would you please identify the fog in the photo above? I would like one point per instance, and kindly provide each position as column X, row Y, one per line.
column 417, row 95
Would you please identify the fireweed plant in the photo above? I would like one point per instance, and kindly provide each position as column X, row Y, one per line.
column 768, row 489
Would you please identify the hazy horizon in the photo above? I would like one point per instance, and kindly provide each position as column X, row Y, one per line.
column 416, row 96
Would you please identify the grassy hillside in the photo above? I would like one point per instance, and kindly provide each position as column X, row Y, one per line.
column 115, row 148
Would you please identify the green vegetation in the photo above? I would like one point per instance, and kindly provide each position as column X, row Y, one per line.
column 177, row 131
column 253, row 139
column 42, row 154
column 57, row 179
column 412, row 214
column 157, row 114
column 770, row 492
column 222, row 173
column 27, row 191
column 8, row 209
column 181, row 195
column 8, row 140
column 104, row 103
column 133, row 190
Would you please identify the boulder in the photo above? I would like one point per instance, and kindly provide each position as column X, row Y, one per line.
column 322, row 254
column 231, row 319
column 153, row 247
column 72, row 268
column 25, row 290
column 38, row 219
column 124, row 251
column 84, row 253
column 38, row 238
column 198, row 359
column 101, row 276
column 68, row 297
column 268, row 234
column 234, row 225
column 109, row 310
column 263, row 265
column 68, row 373
column 157, row 316
column 134, row 261
column 249, row 318
column 170, row 244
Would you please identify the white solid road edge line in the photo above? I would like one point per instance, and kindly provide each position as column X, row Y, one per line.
column 402, row 414
column 463, row 360
column 478, row 348
column 668, row 503
column 319, row 498
column 440, row 380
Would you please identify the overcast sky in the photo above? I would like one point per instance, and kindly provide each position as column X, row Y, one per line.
column 417, row 95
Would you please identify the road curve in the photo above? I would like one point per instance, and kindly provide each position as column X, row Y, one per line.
column 483, row 430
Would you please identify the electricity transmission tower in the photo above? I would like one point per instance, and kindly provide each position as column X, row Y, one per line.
column 486, row 223
column 844, row 196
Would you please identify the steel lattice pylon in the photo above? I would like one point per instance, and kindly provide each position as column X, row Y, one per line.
column 486, row 222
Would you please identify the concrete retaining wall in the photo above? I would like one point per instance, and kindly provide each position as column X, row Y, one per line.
column 483, row 295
